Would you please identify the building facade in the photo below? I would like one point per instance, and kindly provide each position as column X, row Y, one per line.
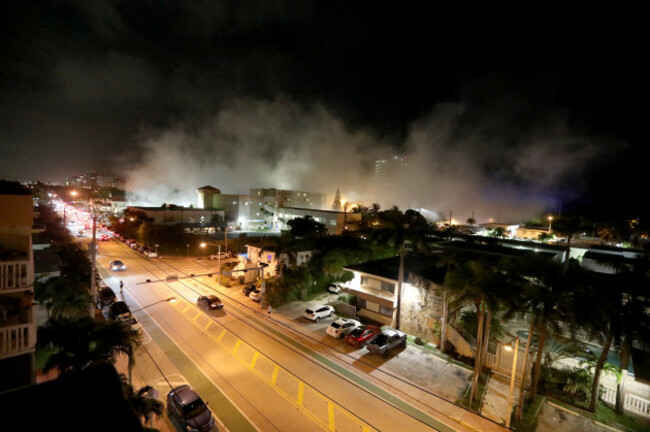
column 17, row 327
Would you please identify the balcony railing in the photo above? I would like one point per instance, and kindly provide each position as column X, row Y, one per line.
column 18, row 339
column 15, row 275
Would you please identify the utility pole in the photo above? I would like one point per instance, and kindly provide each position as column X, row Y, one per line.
column 93, row 254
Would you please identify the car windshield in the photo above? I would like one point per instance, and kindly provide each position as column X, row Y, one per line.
column 356, row 332
column 309, row 311
column 381, row 339
column 335, row 325
column 193, row 409
column 117, row 263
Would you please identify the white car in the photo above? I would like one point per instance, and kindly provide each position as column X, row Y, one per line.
column 342, row 327
column 255, row 295
column 315, row 313
column 334, row 287
column 150, row 254
column 117, row 265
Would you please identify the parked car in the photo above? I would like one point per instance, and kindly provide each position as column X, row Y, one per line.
column 150, row 254
column 255, row 295
column 360, row 336
column 248, row 289
column 386, row 341
column 186, row 406
column 209, row 302
column 119, row 311
column 117, row 265
column 105, row 297
column 315, row 313
column 334, row 287
column 341, row 327
column 223, row 256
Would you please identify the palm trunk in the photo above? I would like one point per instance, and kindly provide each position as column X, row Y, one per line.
column 400, row 281
column 620, row 387
column 537, row 367
column 486, row 339
column 599, row 366
column 445, row 321
column 522, row 384
column 477, row 362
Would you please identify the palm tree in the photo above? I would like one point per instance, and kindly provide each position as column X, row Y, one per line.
column 81, row 342
column 479, row 282
column 548, row 299
column 62, row 297
column 397, row 229
column 143, row 405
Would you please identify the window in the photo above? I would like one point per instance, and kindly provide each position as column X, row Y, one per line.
column 386, row 311
column 386, row 286
column 333, row 222
column 361, row 303
column 364, row 280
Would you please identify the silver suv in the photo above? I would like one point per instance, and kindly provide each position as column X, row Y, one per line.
column 386, row 341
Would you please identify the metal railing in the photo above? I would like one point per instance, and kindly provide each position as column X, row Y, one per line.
column 17, row 339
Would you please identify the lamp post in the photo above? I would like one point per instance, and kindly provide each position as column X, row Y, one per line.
column 550, row 221
column 156, row 248
column 168, row 299
column 188, row 250
column 512, row 379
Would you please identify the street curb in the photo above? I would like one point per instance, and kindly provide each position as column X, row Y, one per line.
column 602, row 425
column 563, row 409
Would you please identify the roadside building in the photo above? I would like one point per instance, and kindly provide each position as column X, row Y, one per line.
column 17, row 327
column 336, row 222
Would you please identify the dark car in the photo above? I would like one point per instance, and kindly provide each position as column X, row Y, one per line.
column 105, row 297
column 362, row 335
column 119, row 311
column 248, row 289
column 187, row 407
column 209, row 302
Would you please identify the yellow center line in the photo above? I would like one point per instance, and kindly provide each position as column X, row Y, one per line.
column 301, row 390
column 274, row 378
column 330, row 414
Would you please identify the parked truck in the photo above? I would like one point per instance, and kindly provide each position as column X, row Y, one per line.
column 386, row 341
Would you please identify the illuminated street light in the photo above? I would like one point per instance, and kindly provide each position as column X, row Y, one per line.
column 550, row 220
column 169, row 299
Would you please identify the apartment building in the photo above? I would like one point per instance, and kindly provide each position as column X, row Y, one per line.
column 17, row 327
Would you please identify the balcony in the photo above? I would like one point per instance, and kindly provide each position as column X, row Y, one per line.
column 17, row 339
column 15, row 275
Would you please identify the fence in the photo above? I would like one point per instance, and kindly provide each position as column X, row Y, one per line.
column 631, row 403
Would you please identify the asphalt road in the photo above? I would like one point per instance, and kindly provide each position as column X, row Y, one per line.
column 258, row 375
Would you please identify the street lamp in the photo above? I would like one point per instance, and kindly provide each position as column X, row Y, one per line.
column 156, row 248
column 168, row 299
column 550, row 220
column 512, row 379
column 188, row 250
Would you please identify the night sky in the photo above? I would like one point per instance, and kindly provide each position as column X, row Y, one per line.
column 505, row 112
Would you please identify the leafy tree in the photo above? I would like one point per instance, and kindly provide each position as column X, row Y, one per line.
column 62, row 296
column 549, row 299
column 80, row 342
column 396, row 229
column 306, row 227
column 143, row 405
column 477, row 282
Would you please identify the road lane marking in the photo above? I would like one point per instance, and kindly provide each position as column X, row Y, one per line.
column 234, row 350
column 274, row 378
column 254, row 360
column 301, row 391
